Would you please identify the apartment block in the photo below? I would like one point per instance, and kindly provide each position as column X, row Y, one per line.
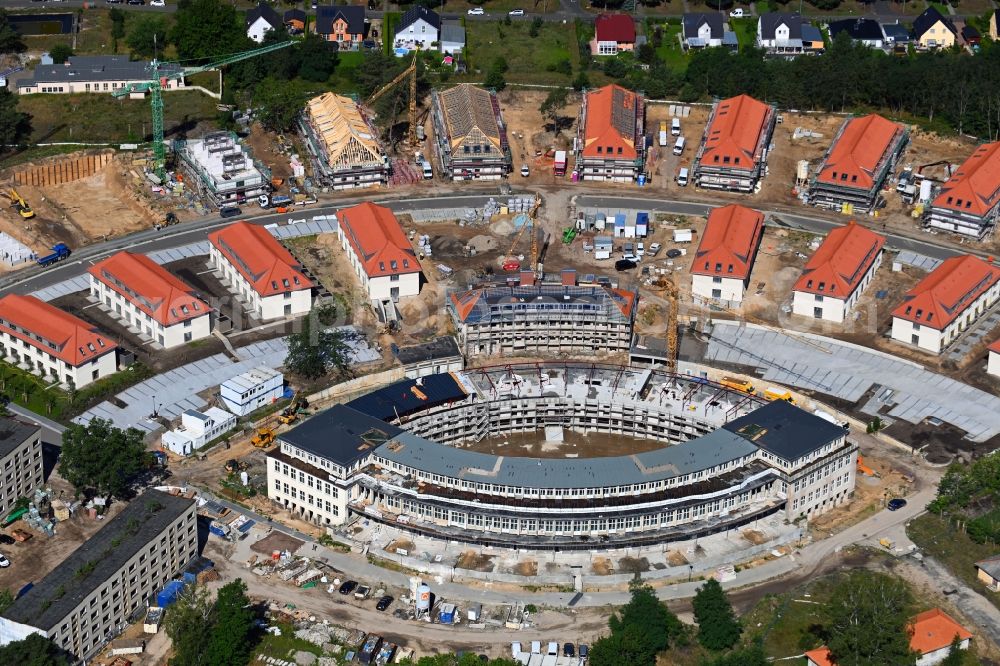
column 149, row 300
column 470, row 132
column 90, row 597
column 379, row 251
column 969, row 202
column 610, row 144
column 733, row 150
column 43, row 339
column 343, row 143
column 222, row 169
column 722, row 264
column 20, row 461
column 260, row 271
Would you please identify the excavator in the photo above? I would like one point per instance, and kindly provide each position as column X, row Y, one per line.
column 263, row 438
column 18, row 202
column 291, row 413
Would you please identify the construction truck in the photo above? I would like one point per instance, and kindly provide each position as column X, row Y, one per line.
column 59, row 252
column 18, row 202
column 263, row 438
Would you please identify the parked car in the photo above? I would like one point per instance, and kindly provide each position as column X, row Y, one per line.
column 476, row 11
column 525, row 171
column 228, row 211
column 624, row 265
column 896, row 504
column 584, row 651
column 640, row 249
column 348, row 587
column 654, row 248
column 157, row 3
column 569, row 650
column 631, row 257
column 384, row 603
column 737, row 13
column 136, row 2
column 7, row 539
column 516, row 12
column 673, row 253
column 4, row 562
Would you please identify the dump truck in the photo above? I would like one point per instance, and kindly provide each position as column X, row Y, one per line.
column 60, row 251
column 263, row 438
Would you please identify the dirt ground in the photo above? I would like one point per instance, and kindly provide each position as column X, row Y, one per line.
column 273, row 151
column 475, row 561
column 276, row 541
column 574, row 445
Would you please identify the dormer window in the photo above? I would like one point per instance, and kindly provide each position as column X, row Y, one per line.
column 406, row 263
column 718, row 267
column 184, row 309
column 274, row 284
column 381, row 265
column 908, row 308
column 100, row 342
column 920, row 313
column 82, row 353
column 822, row 286
column 809, row 284
column 295, row 279
column 285, row 283
column 91, row 347
column 730, row 268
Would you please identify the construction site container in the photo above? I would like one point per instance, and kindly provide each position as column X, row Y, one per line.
column 127, row 646
column 683, row 235
column 559, row 165
column 154, row 616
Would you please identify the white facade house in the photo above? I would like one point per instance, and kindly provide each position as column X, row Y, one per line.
column 722, row 264
column 838, row 273
column 42, row 339
column 252, row 390
column 149, row 300
column 261, row 20
column 993, row 359
column 197, row 429
column 418, row 28
column 936, row 311
column 97, row 74
column 260, row 271
column 379, row 251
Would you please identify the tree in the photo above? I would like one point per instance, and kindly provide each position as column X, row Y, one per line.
column 869, row 618
column 60, row 53
column 317, row 60
column 208, row 28
column 189, row 626
column 553, row 104
column 10, row 39
column 639, row 631
column 748, row 656
column 148, row 36
column 277, row 103
column 314, row 352
column 230, row 643
column 956, row 655
column 102, row 458
column 6, row 599
column 495, row 80
column 581, row 82
column 718, row 628
column 536, row 27
column 15, row 126
column 35, row 650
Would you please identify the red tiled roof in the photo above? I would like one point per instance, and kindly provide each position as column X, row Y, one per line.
column 76, row 342
column 464, row 301
column 736, row 129
column 975, row 187
column 858, row 151
column 820, row 656
column 150, row 287
column 615, row 28
column 841, row 261
column 995, row 347
column 933, row 630
column 609, row 128
column 260, row 258
column 730, row 241
column 942, row 296
column 378, row 240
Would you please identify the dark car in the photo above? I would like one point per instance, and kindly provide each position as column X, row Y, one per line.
column 136, row 2
column 674, row 253
column 230, row 211
column 348, row 586
column 569, row 650
column 383, row 603
column 6, row 539
column 584, row 651
column 624, row 265
column 895, row 504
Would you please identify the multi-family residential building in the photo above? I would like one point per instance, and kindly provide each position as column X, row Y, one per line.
column 543, row 318
column 150, row 300
column 252, row 390
column 91, row 596
column 855, row 168
column 430, row 358
column 969, row 202
column 343, row 143
column 343, row 24
column 720, row 270
column 20, row 461
column 993, row 358
column 946, row 302
column 471, row 137
column 51, row 343
column 931, row 30
column 197, row 429
column 613, row 34
column 260, row 271
column 222, row 169
column 733, row 150
column 610, row 145
column 102, row 73
column 379, row 251
column 838, row 273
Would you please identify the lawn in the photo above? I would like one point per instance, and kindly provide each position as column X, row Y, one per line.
column 102, row 118
column 32, row 392
column 670, row 50
column 937, row 538
column 531, row 59
column 942, row 7
column 785, row 620
column 746, row 31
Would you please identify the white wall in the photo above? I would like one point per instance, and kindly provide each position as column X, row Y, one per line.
column 258, row 29
column 379, row 288
column 834, row 309
column 937, row 656
column 730, row 289
column 934, row 340
column 262, row 307
column 993, row 365
column 291, row 488
column 67, row 87
column 928, row 339
column 131, row 316
column 827, row 487
column 420, row 32
column 242, row 395
column 40, row 363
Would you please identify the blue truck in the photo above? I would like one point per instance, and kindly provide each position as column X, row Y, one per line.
column 59, row 252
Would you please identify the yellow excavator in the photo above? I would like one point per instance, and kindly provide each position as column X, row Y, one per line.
column 18, row 202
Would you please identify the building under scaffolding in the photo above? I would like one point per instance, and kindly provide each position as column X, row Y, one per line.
column 222, row 169
column 546, row 318
column 969, row 202
column 733, row 150
column 860, row 159
column 611, row 144
column 471, row 138
column 342, row 143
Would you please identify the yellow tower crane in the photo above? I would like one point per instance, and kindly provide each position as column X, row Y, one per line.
column 410, row 72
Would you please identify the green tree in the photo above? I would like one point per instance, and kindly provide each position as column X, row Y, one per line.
column 208, row 28
column 102, row 458
column 748, row 656
column 615, row 68
column 718, row 628
column 553, row 104
column 189, row 626
column 639, row 631
column 15, row 126
column 495, row 80
column 581, row 82
column 956, row 655
column 317, row 60
column 60, row 53
column 6, row 599
column 148, row 36
column 35, row 650
column 536, row 27
column 869, row 617
column 314, row 352
column 277, row 103
column 10, row 39
column 230, row 643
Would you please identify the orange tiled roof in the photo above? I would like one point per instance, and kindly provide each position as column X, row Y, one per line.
column 933, row 630
column 150, row 287
column 995, row 347
column 464, row 301
column 942, row 296
column 859, row 149
column 260, row 258
column 975, row 187
column 736, row 129
column 820, row 656
column 730, row 241
column 73, row 340
column 841, row 261
column 378, row 240
column 609, row 128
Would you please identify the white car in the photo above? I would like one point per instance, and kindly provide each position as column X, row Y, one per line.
column 737, row 13
column 631, row 257
column 4, row 562
column 157, row 3
column 476, row 11
column 525, row 171
column 516, row 12
column 654, row 248
column 640, row 249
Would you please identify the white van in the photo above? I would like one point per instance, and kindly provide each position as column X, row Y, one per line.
column 682, row 177
column 679, row 145
column 675, row 126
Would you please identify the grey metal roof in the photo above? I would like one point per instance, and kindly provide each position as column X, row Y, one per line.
column 693, row 21
column 785, row 430
column 341, row 434
column 13, row 434
column 97, row 68
column 443, row 347
column 416, row 13
column 100, row 557
column 453, row 33
column 698, row 454
column 991, row 565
